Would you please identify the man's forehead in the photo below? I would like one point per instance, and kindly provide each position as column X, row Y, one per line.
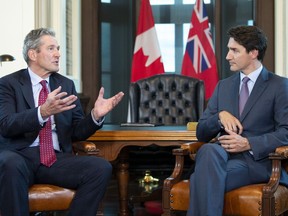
column 49, row 40
column 233, row 44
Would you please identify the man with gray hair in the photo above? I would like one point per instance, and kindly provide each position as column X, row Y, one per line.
column 39, row 108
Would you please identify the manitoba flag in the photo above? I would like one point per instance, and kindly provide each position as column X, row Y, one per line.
column 199, row 58
column 147, row 56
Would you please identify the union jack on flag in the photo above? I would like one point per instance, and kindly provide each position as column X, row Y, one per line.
column 199, row 58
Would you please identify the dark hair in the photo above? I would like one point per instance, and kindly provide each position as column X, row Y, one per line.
column 32, row 40
column 251, row 37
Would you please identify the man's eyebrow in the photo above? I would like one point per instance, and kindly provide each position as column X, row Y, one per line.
column 232, row 48
column 58, row 47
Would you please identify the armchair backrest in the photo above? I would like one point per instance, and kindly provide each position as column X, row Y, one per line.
column 169, row 99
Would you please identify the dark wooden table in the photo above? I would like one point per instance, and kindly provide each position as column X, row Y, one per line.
column 111, row 139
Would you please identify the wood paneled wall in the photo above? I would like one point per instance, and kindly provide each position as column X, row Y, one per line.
column 91, row 65
column 265, row 18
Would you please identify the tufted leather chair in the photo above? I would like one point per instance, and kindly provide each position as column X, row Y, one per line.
column 46, row 198
column 267, row 199
column 169, row 99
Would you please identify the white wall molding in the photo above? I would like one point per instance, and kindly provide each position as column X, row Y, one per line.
column 52, row 14
column 281, row 38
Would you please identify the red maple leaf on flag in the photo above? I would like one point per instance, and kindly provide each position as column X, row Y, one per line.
column 147, row 60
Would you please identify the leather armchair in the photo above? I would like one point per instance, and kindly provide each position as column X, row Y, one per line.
column 265, row 199
column 169, row 99
column 45, row 197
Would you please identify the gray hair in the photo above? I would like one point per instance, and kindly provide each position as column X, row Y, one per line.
column 33, row 40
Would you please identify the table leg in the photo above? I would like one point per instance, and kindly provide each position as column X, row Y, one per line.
column 123, row 179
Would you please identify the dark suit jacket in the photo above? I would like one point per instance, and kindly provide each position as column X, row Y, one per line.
column 19, row 125
column 264, row 118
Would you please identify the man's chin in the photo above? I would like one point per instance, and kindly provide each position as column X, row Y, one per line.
column 55, row 70
column 233, row 68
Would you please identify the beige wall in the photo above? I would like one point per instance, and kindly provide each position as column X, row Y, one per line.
column 16, row 20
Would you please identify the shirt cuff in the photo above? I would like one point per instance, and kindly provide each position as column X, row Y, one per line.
column 220, row 124
column 40, row 119
column 99, row 122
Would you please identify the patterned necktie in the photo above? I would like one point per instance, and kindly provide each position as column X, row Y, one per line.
column 47, row 153
column 244, row 94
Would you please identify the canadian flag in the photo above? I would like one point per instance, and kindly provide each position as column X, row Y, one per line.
column 147, row 60
column 199, row 59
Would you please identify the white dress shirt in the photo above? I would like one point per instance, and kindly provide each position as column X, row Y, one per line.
column 36, row 87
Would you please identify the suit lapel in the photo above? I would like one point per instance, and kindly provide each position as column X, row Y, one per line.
column 26, row 88
column 54, row 82
column 235, row 94
column 259, row 87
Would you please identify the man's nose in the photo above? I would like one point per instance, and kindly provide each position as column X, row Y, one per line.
column 228, row 56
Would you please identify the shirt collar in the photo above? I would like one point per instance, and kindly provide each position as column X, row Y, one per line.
column 35, row 79
column 253, row 75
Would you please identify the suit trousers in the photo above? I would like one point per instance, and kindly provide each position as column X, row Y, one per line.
column 88, row 175
column 216, row 172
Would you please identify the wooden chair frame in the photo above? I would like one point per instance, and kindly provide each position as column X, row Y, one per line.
column 268, row 206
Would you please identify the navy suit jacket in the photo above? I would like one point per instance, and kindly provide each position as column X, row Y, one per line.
column 19, row 124
column 264, row 118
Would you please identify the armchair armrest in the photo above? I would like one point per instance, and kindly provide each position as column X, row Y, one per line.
column 85, row 148
column 192, row 147
column 186, row 149
column 269, row 189
column 283, row 151
column 176, row 176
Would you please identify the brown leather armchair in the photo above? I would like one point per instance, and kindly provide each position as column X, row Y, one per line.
column 169, row 99
column 45, row 197
column 265, row 199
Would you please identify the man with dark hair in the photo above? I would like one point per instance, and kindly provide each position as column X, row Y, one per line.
column 248, row 114
column 40, row 117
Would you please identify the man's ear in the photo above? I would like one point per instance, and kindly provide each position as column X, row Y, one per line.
column 32, row 54
column 254, row 53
